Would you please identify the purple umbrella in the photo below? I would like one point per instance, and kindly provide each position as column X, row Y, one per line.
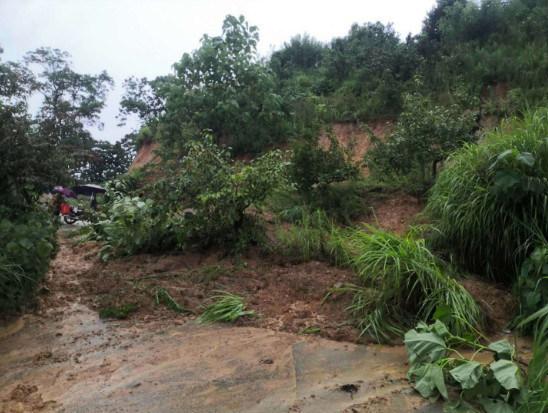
column 66, row 192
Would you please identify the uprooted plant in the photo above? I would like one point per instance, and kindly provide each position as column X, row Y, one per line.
column 500, row 385
column 225, row 307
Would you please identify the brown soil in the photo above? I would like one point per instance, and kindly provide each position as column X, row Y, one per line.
column 355, row 138
column 145, row 155
column 395, row 211
column 350, row 135
column 496, row 301
column 26, row 398
column 285, row 297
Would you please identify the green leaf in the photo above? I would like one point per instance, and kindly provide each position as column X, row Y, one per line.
column 505, row 180
column 43, row 249
column 459, row 406
column 443, row 313
column 526, row 158
column 429, row 379
column 440, row 329
column 26, row 243
column 468, row 374
column 507, row 374
column 495, row 406
column 503, row 349
column 424, row 347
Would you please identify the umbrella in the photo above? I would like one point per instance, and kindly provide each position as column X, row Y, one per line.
column 89, row 189
column 66, row 192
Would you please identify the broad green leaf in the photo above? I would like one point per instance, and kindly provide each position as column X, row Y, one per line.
column 495, row 406
column 468, row 374
column 507, row 374
column 443, row 313
column 429, row 379
column 505, row 180
column 424, row 347
column 440, row 329
column 503, row 349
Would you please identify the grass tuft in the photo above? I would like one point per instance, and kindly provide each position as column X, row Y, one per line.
column 120, row 312
column 162, row 296
column 226, row 308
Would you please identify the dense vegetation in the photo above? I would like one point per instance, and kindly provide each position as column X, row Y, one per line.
column 40, row 150
column 491, row 202
column 487, row 193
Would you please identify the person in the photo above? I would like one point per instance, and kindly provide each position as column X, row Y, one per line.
column 56, row 202
column 93, row 202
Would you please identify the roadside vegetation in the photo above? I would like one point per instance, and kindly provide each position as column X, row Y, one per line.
column 242, row 170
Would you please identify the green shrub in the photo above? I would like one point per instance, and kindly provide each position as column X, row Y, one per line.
column 341, row 201
column 498, row 385
column 401, row 282
column 492, row 198
column 200, row 201
column 207, row 194
column 133, row 225
column 313, row 167
column 26, row 246
column 424, row 136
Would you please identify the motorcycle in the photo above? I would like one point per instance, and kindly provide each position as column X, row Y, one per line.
column 71, row 214
column 74, row 214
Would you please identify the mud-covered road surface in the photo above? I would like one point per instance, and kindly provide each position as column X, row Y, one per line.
column 64, row 358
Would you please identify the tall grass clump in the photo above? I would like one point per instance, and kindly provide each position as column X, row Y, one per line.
column 307, row 239
column 402, row 282
column 492, row 198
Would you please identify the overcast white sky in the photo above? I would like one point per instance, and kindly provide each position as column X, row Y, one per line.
column 145, row 37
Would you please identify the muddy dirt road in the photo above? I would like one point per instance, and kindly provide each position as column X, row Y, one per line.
column 63, row 358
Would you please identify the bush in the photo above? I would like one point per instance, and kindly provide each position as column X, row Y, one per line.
column 26, row 246
column 201, row 201
column 493, row 197
column 402, row 282
column 133, row 225
column 342, row 202
column 313, row 167
column 209, row 193
column 424, row 136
